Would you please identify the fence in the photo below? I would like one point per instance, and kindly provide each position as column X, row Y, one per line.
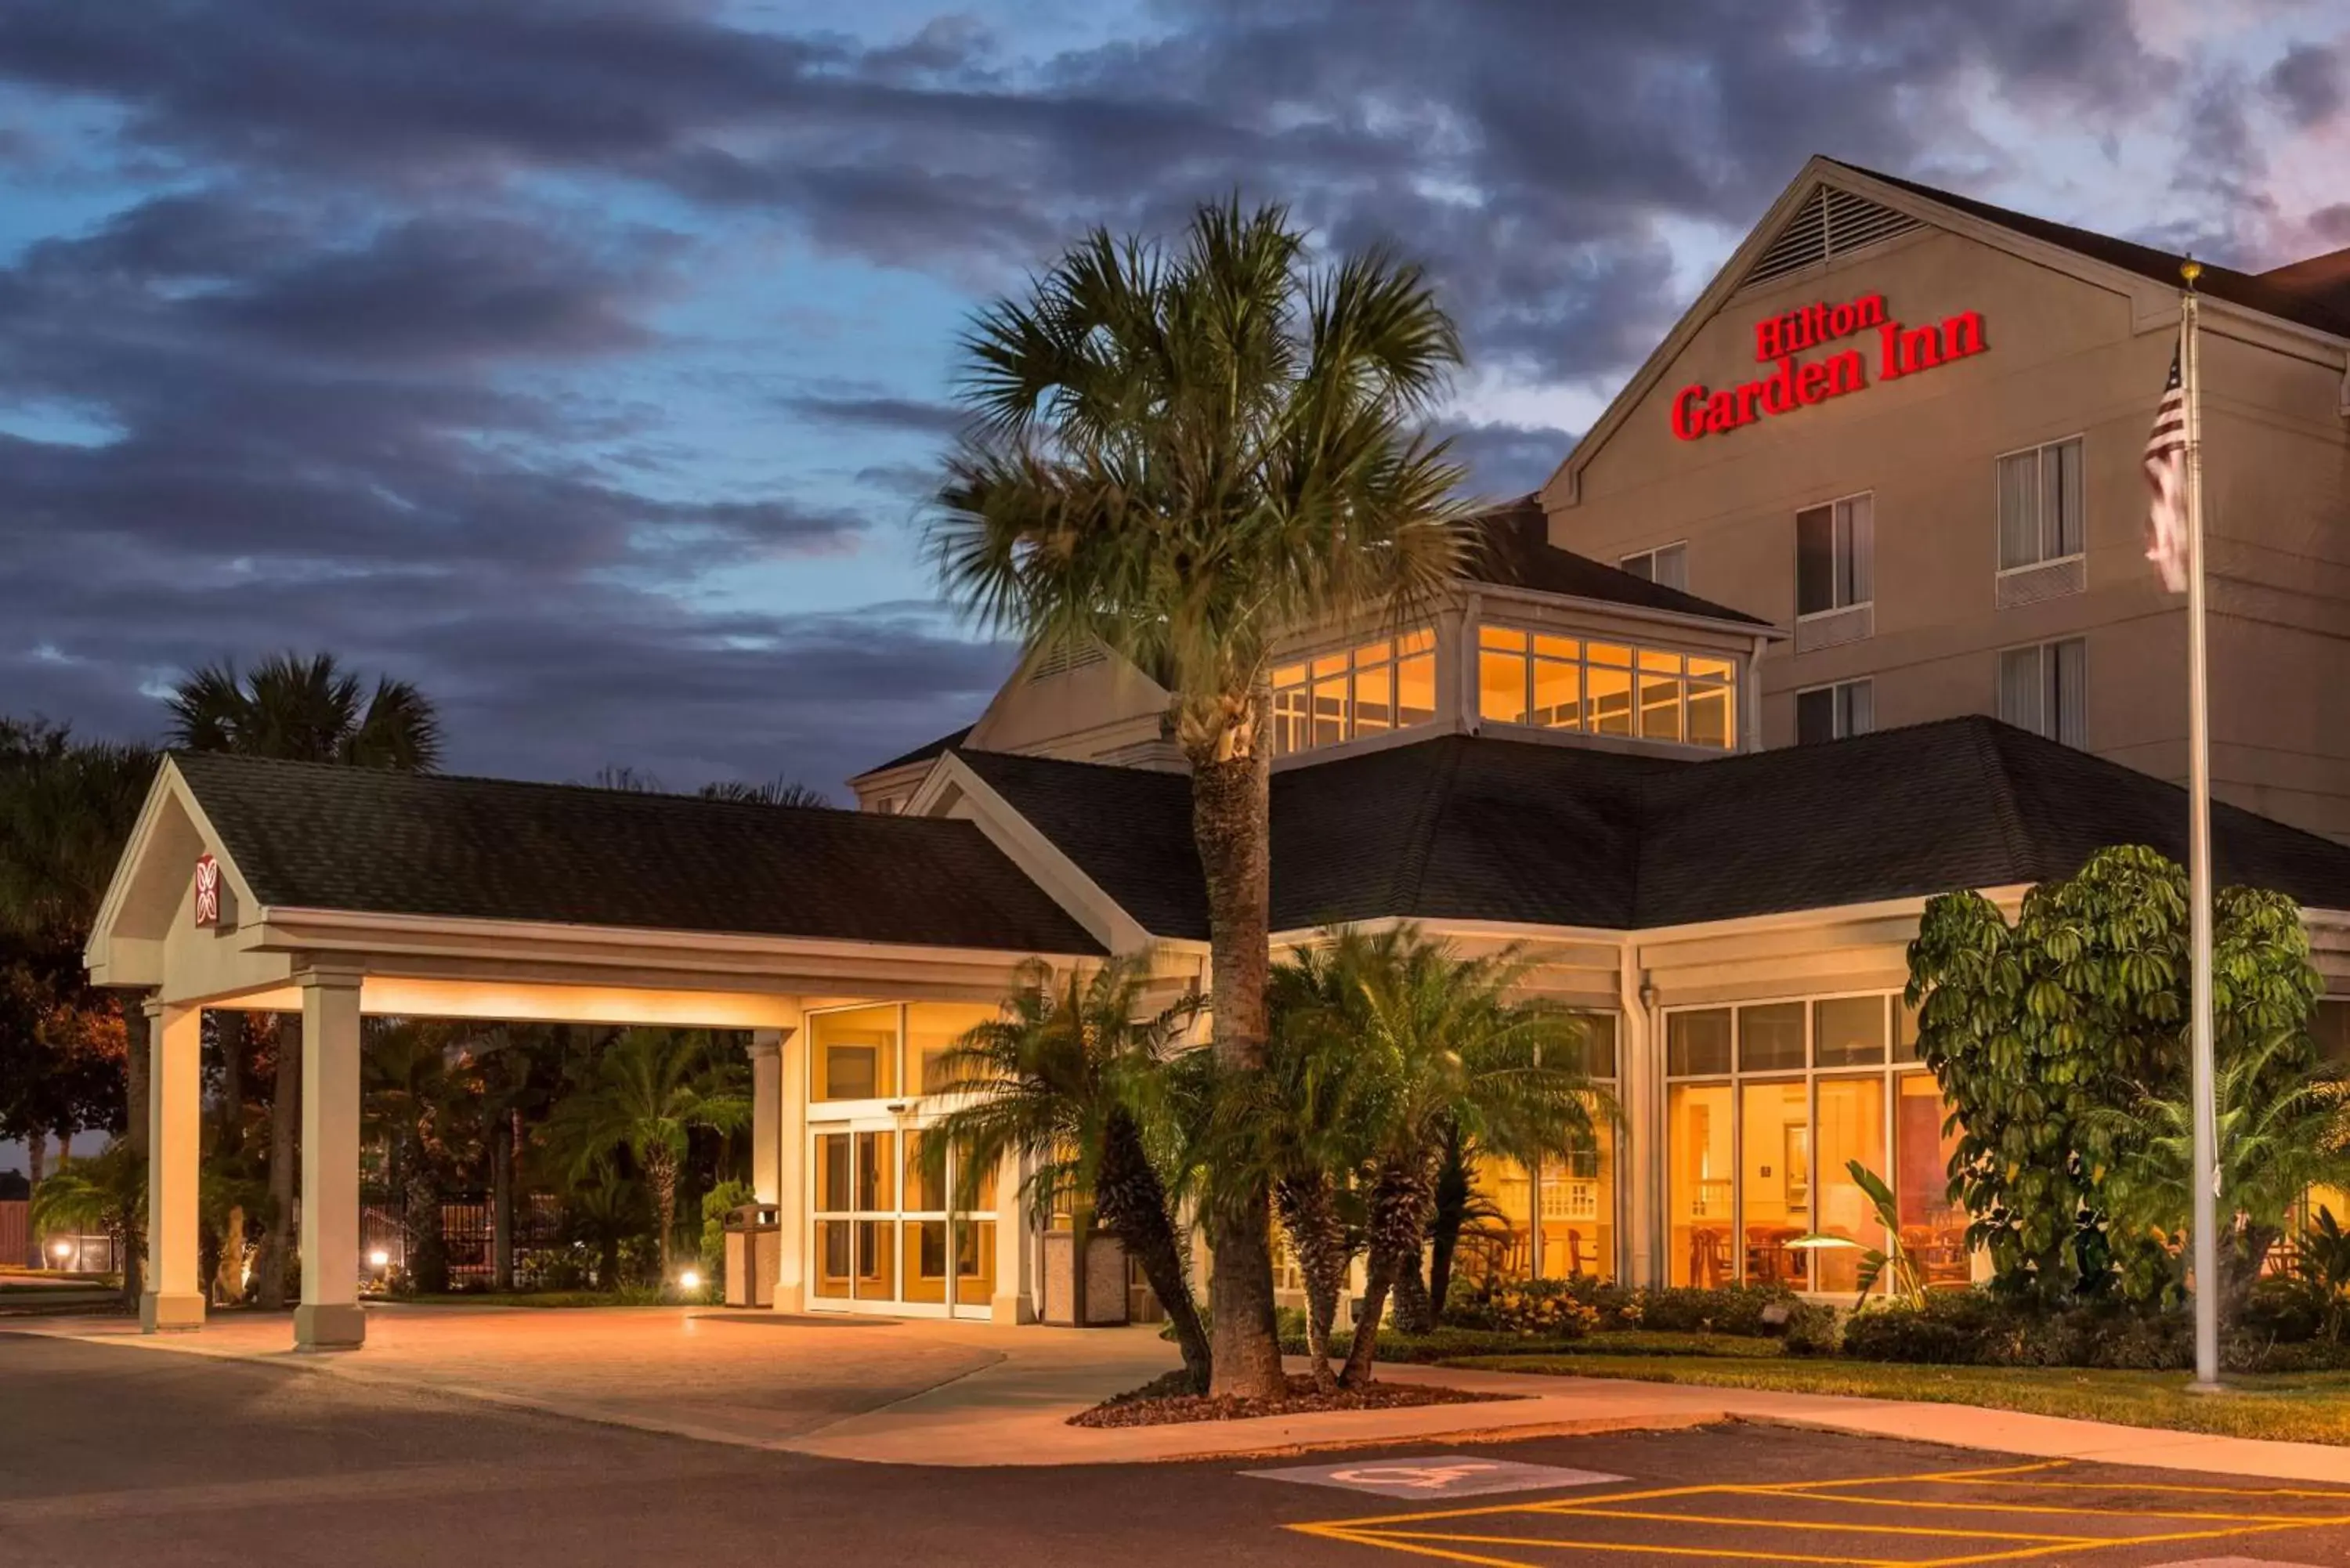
column 468, row 1237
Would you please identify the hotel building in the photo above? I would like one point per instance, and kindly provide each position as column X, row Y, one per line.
column 1840, row 605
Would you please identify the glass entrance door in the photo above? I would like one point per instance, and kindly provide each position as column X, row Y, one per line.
column 886, row 1236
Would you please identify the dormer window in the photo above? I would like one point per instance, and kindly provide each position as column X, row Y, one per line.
column 1367, row 689
column 1605, row 688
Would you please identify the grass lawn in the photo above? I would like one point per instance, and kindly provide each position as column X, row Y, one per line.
column 2296, row 1406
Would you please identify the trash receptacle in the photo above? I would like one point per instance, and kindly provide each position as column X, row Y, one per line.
column 754, row 1233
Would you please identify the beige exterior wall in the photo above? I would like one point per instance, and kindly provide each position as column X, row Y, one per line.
column 2071, row 349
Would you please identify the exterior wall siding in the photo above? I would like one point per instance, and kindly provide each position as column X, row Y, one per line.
column 2064, row 357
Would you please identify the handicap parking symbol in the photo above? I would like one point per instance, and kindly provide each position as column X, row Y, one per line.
column 1436, row 1476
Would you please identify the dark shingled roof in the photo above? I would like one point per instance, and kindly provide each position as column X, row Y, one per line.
column 1466, row 828
column 2285, row 298
column 312, row 836
column 924, row 752
column 1517, row 552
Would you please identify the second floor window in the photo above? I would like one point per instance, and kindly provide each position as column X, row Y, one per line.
column 1605, row 688
column 2040, row 508
column 2045, row 688
column 1368, row 690
column 1666, row 566
column 1833, row 713
column 1835, row 553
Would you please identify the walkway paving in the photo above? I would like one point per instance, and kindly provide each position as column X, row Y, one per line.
column 932, row 1393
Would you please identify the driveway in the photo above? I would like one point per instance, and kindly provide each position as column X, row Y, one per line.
column 110, row 1456
column 761, row 1379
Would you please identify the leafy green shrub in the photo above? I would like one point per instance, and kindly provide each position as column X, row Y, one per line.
column 1977, row 1328
column 1550, row 1308
column 716, row 1204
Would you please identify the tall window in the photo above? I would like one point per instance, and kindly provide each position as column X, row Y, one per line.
column 1667, row 565
column 1556, row 1218
column 1767, row 1106
column 2045, row 688
column 1527, row 677
column 1370, row 690
column 2040, row 511
column 1834, row 712
column 1835, row 551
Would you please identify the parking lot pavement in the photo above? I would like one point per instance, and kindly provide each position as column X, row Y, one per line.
column 109, row 1454
column 2046, row 1512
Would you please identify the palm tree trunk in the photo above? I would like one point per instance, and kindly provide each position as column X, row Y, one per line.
column 1231, row 828
column 1414, row 1312
column 284, row 1131
column 1131, row 1203
column 36, row 1166
column 1400, row 1198
column 1309, row 1213
column 661, row 1165
column 230, row 1031
column 502, row 1253
column 1456, row 1179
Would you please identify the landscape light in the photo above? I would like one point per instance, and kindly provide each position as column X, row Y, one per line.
column 690, row 1280
column 379, row 1259
column 61, row 1250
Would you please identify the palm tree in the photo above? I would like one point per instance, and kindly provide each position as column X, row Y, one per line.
column 781, row 790
column 1075, row 1077
column 1183, row 453
column 1447, row 1046
column 106, row 1193
column 302, row 709
column 650, row 1090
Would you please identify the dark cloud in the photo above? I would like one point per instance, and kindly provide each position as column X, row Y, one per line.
column 1506, row 461
column 2308, row 83
column 908, row 416
column 360, row 362
column 2332, row 223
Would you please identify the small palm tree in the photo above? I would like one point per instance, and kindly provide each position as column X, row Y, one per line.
column 1183, row 453
column 304, row 709
column 650, row 1090
column 781, row 790
column 1446, row 1045
column 1075, row 1077
column 2281, row 1120
column 105, row 1193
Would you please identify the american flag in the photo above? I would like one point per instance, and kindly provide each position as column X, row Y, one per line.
column 2165, row 474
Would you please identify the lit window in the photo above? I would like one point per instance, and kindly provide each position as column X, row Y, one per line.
column 2044, row 689
column 853, row 1053
column 2040, row 516
column 1378, row 686
column 1835, row 548
column 1605, row 688
column 1834, row 712
column 1758, row 1156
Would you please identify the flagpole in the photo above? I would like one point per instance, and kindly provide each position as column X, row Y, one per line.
column 2205, row 1233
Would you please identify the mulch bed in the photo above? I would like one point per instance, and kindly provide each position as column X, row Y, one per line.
column 1162, row 1403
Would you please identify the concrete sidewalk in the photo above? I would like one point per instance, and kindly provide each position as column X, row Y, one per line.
column 967, row 1394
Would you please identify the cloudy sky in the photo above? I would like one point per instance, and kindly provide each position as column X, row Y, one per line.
column 586, row 362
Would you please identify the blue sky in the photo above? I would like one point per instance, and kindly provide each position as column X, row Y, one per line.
column 586, row 363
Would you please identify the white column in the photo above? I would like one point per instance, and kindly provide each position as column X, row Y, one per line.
column 791, row 1083
column 1641, row 1144
column 173, row 1297
column 766, row 1051
column 329, row 1317
column 1015, row 1292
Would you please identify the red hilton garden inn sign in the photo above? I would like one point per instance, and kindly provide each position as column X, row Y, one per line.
column 1701, row 411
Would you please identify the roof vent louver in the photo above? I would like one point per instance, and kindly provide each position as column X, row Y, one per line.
column 1834, row 222
column 1063, row 657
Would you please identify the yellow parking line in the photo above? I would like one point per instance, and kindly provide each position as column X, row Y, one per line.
column 1327, row 1533
column 2337, row 1494
column 2112, row 1543
column 1717, row 1553
column 2065, row 1512
column 1751, row 1522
